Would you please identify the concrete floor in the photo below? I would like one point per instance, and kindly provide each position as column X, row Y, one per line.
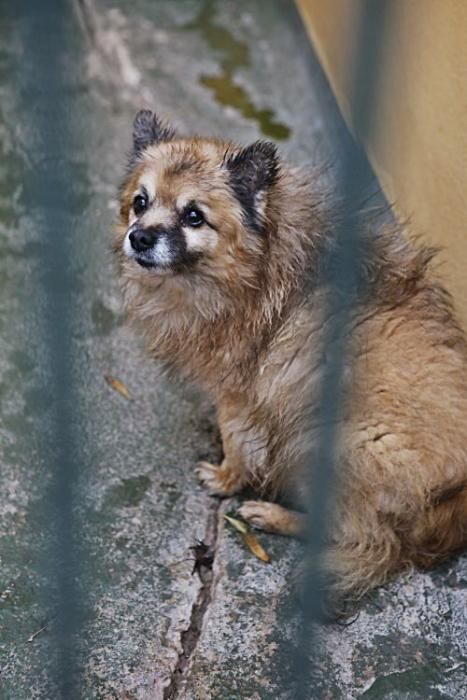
column 150, row 629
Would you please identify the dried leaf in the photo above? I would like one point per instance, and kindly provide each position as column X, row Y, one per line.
column 249, row 539
column 118, row 386
column 255, row 547
column 42, row 629
column 237, row 524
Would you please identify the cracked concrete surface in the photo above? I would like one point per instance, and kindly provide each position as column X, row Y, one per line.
column 152, row 630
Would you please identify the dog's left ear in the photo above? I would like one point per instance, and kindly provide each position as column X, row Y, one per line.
column 252, row 171
column 148, row 130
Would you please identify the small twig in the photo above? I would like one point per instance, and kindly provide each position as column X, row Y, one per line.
column 180, row 561
column 346, row 622
column 203, row 556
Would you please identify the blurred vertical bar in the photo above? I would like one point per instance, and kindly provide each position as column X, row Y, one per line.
column 354, row 182
column 47, row 34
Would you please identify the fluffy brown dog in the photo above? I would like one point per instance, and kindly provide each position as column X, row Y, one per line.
column 220, row 251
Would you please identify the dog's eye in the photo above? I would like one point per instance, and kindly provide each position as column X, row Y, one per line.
column 193, row 217
column 140, row 203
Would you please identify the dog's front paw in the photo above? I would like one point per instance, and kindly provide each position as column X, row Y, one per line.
column 272, row 517
column 219, row 481
column 258, row 514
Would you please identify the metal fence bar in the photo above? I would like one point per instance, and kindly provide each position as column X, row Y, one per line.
column 46, row 34
column 353, row 181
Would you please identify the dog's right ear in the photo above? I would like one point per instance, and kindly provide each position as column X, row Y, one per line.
column 148, row 130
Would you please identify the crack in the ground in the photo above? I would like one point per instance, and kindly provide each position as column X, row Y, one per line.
column 190, row 637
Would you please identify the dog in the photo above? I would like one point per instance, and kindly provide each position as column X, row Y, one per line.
column 221, row 251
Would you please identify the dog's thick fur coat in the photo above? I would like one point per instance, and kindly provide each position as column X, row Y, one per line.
column 237, row 302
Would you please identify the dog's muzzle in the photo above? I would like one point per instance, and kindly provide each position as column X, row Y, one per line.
column 150, row 247
column 143, row 239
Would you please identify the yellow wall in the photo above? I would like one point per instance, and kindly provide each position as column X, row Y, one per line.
column 419, row 146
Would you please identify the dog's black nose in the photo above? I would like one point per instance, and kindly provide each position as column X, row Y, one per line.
column 142, row 239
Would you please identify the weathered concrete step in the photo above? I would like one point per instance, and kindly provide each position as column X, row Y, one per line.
column 242, row 69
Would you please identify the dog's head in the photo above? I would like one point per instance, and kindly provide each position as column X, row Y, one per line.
column 194, row 205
